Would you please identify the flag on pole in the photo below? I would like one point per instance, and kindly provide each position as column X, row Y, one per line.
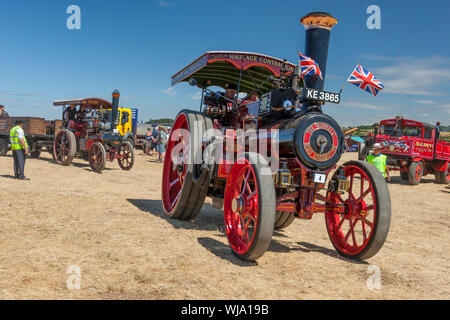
column 365, row 80
column 309, row 67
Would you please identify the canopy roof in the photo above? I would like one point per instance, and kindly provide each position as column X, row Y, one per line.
column 88, row 102
column 222, row 68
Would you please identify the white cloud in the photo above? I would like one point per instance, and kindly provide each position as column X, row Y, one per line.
column 362, row 105
column 195, row 96
column 162, row 3
column 424, row 101
column 169, row 91
column 416, row 76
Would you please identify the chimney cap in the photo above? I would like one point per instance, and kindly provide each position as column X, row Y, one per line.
column 319, row 20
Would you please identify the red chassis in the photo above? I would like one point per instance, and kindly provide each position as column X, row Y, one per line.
column 413, row 149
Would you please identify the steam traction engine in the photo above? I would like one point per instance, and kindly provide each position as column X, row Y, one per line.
column 262, row 191
column 92, row 135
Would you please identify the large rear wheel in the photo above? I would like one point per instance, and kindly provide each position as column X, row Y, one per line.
column 249, row 206
column 186, row 178
column 443, row 177
column 283, row 219
column 64, row 147
column 358, row 221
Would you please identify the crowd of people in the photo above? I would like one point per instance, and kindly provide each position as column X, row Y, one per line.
column 157, row 138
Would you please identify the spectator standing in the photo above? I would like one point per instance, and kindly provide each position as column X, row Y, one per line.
column 3, row 113
column 19, row 148
column 162, row 143
column 379, row 160
column 155, row 138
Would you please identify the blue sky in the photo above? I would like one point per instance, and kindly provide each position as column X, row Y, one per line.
column 136, row 46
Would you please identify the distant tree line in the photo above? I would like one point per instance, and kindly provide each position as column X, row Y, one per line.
column 158, row 121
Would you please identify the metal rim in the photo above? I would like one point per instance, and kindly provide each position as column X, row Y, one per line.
column 418, row 171
column 174, row 173
column 63, row 147
column 352, row 221
column 97, row 156
column 241, row 209
column 126, row 155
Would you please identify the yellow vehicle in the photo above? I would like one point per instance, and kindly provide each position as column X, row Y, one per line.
column 127, row 123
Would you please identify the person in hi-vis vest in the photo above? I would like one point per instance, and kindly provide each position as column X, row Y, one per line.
column 379, row 161
column 19, row 149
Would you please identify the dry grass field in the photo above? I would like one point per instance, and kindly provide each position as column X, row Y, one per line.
column 111, row 226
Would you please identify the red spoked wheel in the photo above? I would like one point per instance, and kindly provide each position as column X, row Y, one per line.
column 126, row 155
column 358, row 221
column 183, row 194
column 249, row 206
column 415, row 173
column 97, row 157
column 64, row 147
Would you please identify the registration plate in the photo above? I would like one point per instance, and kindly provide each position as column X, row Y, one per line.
column 313, row 94
column 319, row 177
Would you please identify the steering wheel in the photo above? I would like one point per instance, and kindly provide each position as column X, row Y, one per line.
column 97, row 115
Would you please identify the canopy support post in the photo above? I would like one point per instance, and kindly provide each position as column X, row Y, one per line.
column 201, row 100
column 238, row 90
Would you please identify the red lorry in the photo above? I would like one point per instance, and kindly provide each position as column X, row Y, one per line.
column 413, row 148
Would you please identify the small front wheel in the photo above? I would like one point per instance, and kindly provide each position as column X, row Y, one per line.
column 358, row 221
column 126, row 156
column 415, row 173
column 249, row 206
column 97, row 157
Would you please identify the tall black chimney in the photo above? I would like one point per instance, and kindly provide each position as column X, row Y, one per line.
column 318, row 27
column 114, row 109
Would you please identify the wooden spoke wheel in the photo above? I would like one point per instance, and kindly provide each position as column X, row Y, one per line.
column 126, row 156
column 97, row 157
column 249, row 206
column 358, row 220
column 184, row 185
column 64, row 147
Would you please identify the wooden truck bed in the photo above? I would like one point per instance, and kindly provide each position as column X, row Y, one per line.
column 442, row 150
column 32, row 125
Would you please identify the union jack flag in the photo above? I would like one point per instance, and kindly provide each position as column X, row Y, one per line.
column 309, row 67
column 364, row 79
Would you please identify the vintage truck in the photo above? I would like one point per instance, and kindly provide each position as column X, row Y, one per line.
column 414, row 149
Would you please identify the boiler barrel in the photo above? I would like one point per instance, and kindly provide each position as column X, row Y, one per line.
column 315, row 138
